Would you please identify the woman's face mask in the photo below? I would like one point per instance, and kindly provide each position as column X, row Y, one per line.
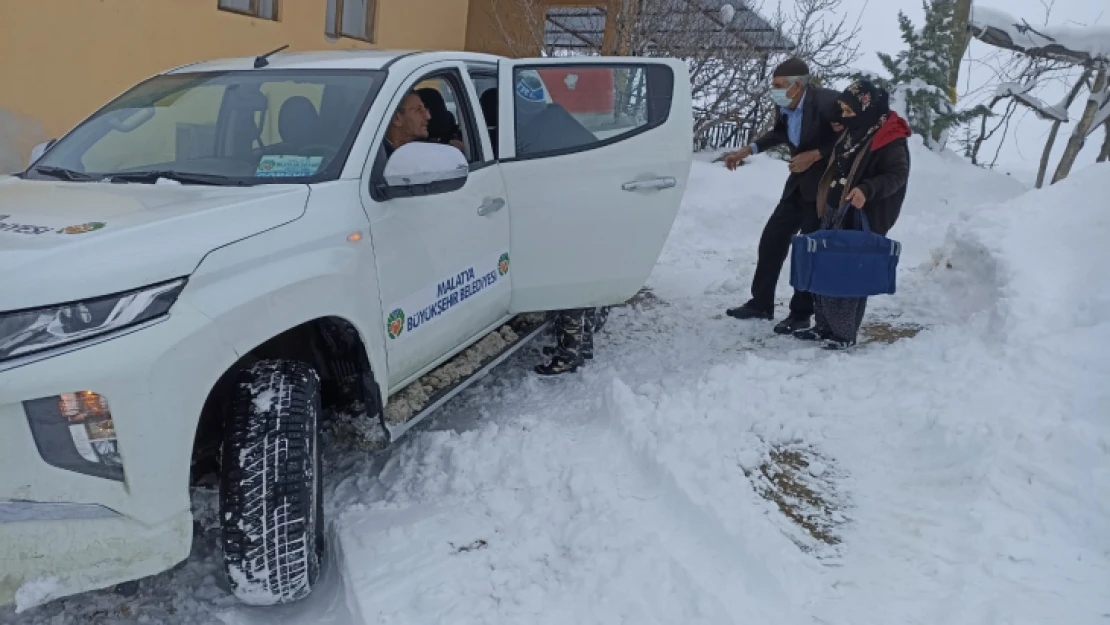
column 852, row 123
column 848, row 117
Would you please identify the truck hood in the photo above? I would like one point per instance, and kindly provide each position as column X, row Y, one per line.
column 67, row 241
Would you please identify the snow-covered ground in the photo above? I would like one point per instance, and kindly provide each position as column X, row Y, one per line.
column 703, row 470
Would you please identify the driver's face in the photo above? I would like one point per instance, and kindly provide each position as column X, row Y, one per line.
column 413, row 118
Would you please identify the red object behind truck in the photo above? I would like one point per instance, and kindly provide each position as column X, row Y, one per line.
column 582, row 90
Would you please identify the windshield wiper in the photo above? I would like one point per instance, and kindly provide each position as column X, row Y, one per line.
column 62, row 173
column 179, row 176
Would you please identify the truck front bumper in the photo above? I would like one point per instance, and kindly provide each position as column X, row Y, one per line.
column 49, row 551
column 64, row 530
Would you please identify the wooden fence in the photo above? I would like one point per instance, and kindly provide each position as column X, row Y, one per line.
column 727, row 135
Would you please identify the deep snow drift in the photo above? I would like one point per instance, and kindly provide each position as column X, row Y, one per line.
column 955, row 469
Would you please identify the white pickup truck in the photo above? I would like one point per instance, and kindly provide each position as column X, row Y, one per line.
column 207, row 264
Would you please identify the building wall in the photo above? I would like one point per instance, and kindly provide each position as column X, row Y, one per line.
column 60, row 60
column 18, row 134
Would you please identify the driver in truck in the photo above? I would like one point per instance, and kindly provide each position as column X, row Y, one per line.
column 409, row 123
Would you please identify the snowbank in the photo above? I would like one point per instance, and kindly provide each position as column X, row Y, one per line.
column 1043, row 256
column 974, row 458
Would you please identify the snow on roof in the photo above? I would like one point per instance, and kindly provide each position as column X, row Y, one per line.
column 1081, row 45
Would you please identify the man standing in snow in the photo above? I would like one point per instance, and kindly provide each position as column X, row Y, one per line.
column 806, row 112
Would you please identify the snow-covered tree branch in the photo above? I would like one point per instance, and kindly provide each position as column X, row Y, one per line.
column 1088, row 47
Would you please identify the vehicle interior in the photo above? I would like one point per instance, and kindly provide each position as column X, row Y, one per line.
column 219, row 125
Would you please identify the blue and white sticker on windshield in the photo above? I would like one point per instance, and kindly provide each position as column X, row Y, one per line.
column 282, row 166
column 529, row 88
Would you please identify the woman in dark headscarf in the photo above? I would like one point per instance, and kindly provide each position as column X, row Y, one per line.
column 867, row 172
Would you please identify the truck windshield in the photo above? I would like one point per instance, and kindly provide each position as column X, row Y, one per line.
column 238, row 127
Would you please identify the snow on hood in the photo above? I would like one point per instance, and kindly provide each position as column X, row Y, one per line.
column 65, row 241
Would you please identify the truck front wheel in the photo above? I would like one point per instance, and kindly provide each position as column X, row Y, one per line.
column 270, row 495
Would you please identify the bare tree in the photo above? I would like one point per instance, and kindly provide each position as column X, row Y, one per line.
column 827, row 43
column 1002, row 123
column 1018, row 81
column 520, row 26
column 1068, row 47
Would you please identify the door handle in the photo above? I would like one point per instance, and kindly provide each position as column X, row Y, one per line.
column 490, row 206
column 654, row 184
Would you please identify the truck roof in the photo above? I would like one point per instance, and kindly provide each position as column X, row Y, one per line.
column 331, row 59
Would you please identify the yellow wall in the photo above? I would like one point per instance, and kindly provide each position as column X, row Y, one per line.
column 60, row 60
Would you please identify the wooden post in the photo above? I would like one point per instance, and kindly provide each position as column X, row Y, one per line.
column 1072, row 95
column 1104, row 155
column 1082, row 129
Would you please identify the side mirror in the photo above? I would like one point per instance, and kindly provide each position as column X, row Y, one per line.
column 39, row 150
column 425, row 169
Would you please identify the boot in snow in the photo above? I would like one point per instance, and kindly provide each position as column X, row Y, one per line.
column 567, row 356
column 749, row 310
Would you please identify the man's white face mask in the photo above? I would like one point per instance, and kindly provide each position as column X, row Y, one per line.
column 780, row 97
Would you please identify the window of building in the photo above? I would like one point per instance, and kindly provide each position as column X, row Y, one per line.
column 265, row 9
column 351, row 18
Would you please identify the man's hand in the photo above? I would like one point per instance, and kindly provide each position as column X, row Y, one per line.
column 804, row 161
column 733, row 159
column 458, row 144
column 856, row 197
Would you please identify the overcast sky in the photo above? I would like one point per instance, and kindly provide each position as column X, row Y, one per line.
column 1022, row 152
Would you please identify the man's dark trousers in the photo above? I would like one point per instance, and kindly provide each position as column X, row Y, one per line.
column 792, row 215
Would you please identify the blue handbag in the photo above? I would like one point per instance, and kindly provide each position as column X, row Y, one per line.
column 845, row 263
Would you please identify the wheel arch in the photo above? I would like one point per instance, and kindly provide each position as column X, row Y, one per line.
column 332, row 344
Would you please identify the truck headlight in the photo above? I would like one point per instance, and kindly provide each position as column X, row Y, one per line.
column 75, row 432
column 25, row 332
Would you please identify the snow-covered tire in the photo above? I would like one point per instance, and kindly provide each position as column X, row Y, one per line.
column 270, row 496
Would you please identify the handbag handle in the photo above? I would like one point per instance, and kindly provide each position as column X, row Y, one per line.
column 861, row 217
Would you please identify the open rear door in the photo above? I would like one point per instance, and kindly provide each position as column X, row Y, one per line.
column 595, row 153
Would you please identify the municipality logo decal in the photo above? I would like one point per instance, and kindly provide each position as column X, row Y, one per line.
column 395, row 325
column 503, row 264
column 82, row 228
